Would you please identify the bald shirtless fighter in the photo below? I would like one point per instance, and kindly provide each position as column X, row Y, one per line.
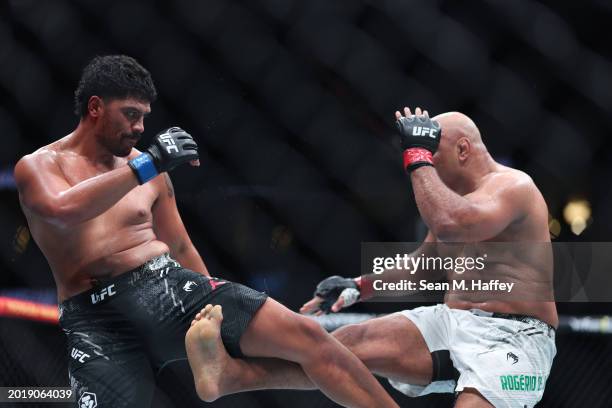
column 130, row 281
column 491, row 351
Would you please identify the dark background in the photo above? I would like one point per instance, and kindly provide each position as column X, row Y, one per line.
column 292, row 104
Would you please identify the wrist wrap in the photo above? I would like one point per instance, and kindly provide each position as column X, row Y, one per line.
column 144, row 167
column 416, row 157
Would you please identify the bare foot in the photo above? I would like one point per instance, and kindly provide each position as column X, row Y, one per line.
column 206, row 353
column 202, row 312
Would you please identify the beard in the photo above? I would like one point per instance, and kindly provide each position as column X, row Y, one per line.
column 122, row 145
column 126, row 143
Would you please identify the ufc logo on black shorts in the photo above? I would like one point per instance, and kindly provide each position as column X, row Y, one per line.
column 107, row 291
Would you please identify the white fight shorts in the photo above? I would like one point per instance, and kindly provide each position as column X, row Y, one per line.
column 507, row 358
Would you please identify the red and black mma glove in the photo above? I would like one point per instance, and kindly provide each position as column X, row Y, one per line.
column 170, row 148
column 335, row 287
column 420, row 137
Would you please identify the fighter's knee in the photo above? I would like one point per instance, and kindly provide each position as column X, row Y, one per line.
column 314, row 342
column 351, row 336
column 312, row 330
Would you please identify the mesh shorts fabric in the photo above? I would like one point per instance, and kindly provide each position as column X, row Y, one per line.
column 125, row 330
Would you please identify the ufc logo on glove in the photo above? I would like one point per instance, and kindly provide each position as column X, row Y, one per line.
column 169, row 149
column 423, row 131
column 169, row 141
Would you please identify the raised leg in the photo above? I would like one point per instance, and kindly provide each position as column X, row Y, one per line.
column 391, row 346
column 216, row 373
column 277, row 332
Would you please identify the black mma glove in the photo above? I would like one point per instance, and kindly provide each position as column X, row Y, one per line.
column 420, row 137
column 170, row 148
column 334, row 287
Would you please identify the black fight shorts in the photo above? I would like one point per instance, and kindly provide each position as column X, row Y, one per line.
column 124, row 331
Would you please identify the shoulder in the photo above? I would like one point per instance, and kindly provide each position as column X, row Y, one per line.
column 46, row 159
column 516, row 192
column 509, row 181
column 42, row 159
column 46, row 154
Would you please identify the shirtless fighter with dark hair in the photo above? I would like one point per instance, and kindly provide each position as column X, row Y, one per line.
column 130, row 281
column 491, row 351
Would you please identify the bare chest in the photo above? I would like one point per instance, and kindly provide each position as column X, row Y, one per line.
column 133, row 209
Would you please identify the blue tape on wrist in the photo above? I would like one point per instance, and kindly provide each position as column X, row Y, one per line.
column 144, row 167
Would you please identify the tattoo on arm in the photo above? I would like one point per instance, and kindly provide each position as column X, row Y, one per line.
column 169, row 185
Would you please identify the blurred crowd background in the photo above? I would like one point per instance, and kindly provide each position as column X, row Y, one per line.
column 292, row 105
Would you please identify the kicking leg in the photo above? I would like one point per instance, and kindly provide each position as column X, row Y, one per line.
column 277, row 332
column 390, row 346
column 216, row 373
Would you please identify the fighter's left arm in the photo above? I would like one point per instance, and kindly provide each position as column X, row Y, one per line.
column 169, row 228
column 475, row 217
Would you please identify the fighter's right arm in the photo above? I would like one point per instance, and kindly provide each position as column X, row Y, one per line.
column 44, row 190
